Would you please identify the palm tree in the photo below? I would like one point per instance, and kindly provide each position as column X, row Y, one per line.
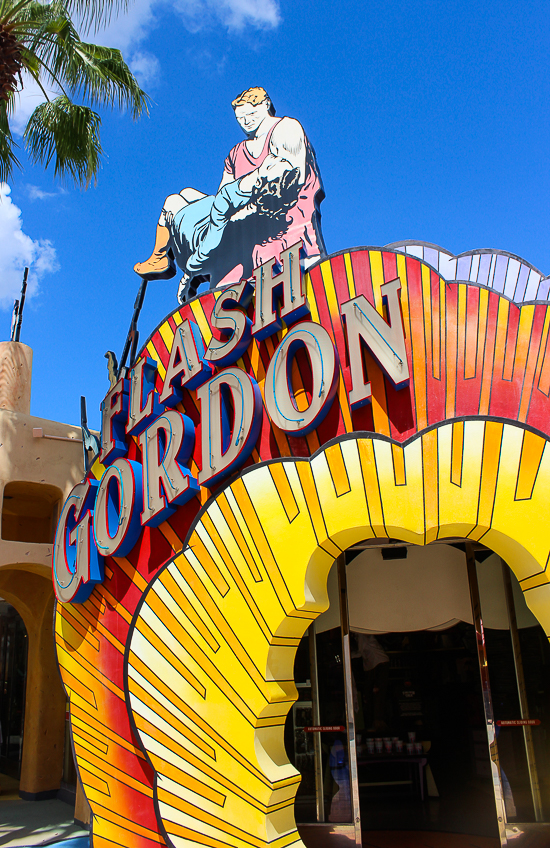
column 41, row 39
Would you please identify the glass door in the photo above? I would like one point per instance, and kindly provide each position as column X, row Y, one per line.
column 318, row 730
column 518, row 660
column 423, row 758
column 423, row 702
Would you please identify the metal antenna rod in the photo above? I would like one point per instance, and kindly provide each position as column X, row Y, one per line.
column 18, row 309
column 14, row 315
column 89, row 441
column 130, row 346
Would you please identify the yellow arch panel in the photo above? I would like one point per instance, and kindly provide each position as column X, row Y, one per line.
column 212, row 646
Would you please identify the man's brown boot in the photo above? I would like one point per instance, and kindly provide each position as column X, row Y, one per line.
column 160, row 265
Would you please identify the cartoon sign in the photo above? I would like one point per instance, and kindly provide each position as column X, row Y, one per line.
column 133, row 495
column 266, row 426
column 268, row 199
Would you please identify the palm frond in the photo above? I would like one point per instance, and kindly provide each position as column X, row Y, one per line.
column 101, row 75
column 8, row 159
column 47, row 31
column 67, row 134
column 96, row 13
column 48, row 46
column 93, row 14
column 10, row 11
column 91, row 70
column 33, row 65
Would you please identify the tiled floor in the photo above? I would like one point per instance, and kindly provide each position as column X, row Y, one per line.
column 34, row 823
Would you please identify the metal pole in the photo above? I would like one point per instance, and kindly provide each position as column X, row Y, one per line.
column 14, row 315
column 486, row 692
column 89, row 441
column 20, row 307
column 316, row 716
column 130, row 345
column 350, row 717
column 522, row 694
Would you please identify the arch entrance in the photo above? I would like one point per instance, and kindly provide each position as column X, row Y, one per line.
column 411, row 689
column 13, row 684
column 212, row 648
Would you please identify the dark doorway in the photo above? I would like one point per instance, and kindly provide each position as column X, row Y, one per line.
column 423, row 760
column 13, row 680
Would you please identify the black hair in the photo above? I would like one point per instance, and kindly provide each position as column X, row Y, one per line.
column 274, row 197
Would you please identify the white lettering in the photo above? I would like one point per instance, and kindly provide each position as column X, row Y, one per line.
column 118, row 504
column 186, row 366
column 229, row 317
column 142, row 383
column 166, row 447
column 387, row 342
column 226, row 445
column 286, row 287
column 76, row 564
column 114, row 411
column 279, row 394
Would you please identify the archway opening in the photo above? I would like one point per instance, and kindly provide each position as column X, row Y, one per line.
column 443, row 734
column 13, row 684
column 252, row 578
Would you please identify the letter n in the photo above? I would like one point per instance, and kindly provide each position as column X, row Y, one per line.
column 365, row 326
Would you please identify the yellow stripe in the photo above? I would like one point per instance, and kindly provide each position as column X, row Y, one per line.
column 377, row 277
column 101, row 766
column 154, row 354
column 200, row 317
column 132, row 573
column 167, row 335
column 349, row 275
column 171, row 537
column 81, row 718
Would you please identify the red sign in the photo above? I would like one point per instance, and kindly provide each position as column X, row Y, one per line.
column 518, row 722
column 325, row 728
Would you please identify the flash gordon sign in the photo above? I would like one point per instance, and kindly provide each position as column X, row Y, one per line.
column 293, row 405
column 105, row 518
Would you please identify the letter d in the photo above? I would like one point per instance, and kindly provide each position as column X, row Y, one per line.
column 231, row 417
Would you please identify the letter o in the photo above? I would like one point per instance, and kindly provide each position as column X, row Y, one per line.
column 118, row 506
column 279, row 398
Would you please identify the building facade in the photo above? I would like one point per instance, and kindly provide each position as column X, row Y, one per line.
column 302, row 594
column 40, row 462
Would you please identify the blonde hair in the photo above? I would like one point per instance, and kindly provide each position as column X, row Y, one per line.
column 254, row 96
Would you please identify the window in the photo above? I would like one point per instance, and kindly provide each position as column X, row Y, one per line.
column 30, row 512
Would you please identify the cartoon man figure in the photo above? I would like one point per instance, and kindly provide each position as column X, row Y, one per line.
column 268, row 199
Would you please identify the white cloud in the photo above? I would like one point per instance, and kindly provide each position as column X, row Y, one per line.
column 18, row 250
column 233, row 14
column 26, row 102
column 129, row 29
column 146, row 68
column 36, row 193
column 236, row 14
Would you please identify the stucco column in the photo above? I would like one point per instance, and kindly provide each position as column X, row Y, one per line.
column 44, row 739
column 44, row 729
column 15, row 376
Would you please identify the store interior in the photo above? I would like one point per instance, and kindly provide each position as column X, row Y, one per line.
column 421, row 759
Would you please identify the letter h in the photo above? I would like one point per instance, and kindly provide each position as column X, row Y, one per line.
column 284, row 289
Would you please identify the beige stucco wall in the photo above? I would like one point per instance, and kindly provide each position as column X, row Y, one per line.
column 15, row 376
column 25, row 567
column 36, row 460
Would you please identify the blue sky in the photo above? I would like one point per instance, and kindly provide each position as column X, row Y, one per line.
column 430, row 121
